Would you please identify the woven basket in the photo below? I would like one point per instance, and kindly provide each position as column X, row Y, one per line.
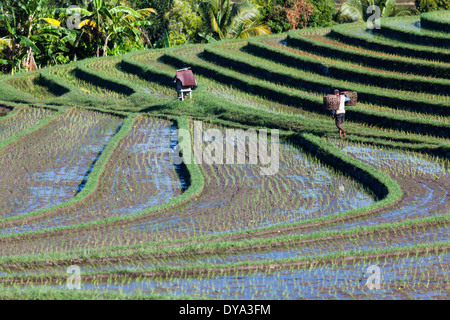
column 331, row 102
column 353, row 98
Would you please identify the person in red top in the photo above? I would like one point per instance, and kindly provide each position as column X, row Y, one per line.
column 339, row 114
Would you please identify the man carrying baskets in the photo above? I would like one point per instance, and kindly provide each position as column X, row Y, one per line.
column 339, row 114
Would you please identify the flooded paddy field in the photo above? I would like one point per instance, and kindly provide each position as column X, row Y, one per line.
column 140, row 175
column 90, row 179
column 47, row 168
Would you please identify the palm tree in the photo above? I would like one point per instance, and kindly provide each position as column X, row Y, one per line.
column 356, row 10
column 226, row 20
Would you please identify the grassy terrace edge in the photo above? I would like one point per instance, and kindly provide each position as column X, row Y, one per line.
column 157, row 249
column 342, row 34
column 204, row 269
column 410, row 36
column 195, row 189
column 226, row 111
column 339, row 71
column 282, row 95
column 84, row 73
column 384, row 187
column 432, row 21
column 9, row 93
column 214, row 54
column 52, row 86
column 296, row 40
column 135, row 94
column 146, row 71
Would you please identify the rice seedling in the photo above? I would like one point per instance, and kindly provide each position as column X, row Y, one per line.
column 62, row 151
column 23, row 118
column 110, row 199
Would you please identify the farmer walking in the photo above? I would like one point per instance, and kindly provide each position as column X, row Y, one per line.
column 339, row 114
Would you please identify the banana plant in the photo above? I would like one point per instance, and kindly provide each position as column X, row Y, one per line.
column 11, row 52
column 29, row 27
column 106, row 22
column 126, row 23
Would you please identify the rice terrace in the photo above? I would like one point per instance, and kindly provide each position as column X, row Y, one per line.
column 91, row 188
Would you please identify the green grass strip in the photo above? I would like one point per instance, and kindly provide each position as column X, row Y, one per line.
column 74, row 96
column 436, row 20
column 308, row 102
column 195, row 188
column 115, row 72
column 156, row 248
column 257, row 46
column 298, row 40
column 288, row 77
column 146, row 71
column 92, row 182
column 28, row 131
column 346, row 34
column 84, row 73
column 390, row 29
column 211, row 269
column 11, row 94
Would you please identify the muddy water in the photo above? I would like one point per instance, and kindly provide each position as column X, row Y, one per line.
column 140, row 175
column 397, row 161
column 180, row 169
column 404, row 238
column 423, row 277
column 425, row 183
column 302, row 189
column 46, row 168
column 86, row 176
column 236, row 197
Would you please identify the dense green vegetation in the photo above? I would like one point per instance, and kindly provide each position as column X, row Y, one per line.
column 432, row 5
column 39, row 33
